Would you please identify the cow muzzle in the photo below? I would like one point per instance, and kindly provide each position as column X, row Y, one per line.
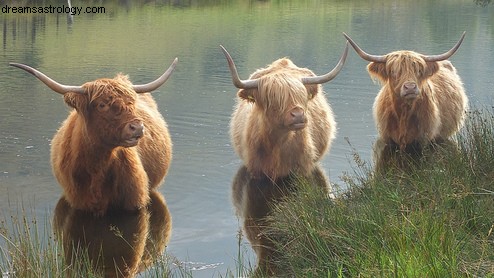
column 132, row 132
column 295, row 119
column 409, row 90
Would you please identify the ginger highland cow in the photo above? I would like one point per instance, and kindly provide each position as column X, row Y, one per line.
column 114, row 146
column 422, row 99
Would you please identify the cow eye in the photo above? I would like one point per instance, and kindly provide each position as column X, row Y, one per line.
column 102, row 106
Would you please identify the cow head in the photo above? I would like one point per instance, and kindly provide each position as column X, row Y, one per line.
column 404, row 71
column 282, row 90
column 108, row 106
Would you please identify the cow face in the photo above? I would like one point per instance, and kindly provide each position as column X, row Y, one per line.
column 281, row 95
column 109, row 111
column 404, row 72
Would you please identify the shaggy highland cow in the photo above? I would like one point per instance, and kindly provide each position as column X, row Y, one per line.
column 282, row 122
column 422, row 98
column 113, row 147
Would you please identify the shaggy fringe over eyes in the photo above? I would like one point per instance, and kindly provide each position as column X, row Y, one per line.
column 405, row 65
column 101, row 87
column 280, row 92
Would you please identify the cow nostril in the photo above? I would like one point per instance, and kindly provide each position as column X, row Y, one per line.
column 297, row 113
column 410, row 86
column 136, row 127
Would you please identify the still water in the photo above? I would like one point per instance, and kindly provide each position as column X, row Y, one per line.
column 141, row 39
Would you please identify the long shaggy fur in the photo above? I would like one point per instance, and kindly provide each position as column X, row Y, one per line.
column 434, row 115
column 258, row 131
column 88, row 158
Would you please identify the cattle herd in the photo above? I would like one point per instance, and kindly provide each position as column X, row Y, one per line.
column 114, row 148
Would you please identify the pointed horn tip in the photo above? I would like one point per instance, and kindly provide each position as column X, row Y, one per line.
column 18, row 65
column 224, row 50
column 463, row 35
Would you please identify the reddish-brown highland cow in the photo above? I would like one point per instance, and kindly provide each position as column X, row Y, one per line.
column 422, row 98
column 282, row 122
column 113, row 147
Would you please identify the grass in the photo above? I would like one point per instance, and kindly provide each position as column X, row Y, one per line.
column 425, row 215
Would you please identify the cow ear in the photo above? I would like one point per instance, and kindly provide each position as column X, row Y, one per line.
column 247, row 95
column 377, row 70
column 312, row 90
column 432, row 67
column 77, row 101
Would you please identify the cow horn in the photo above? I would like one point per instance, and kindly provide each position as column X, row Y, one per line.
column 52, row 84
column 363, row 54
column 151, row 86
column 241, row 84
column 446, row 55
column 330, row 75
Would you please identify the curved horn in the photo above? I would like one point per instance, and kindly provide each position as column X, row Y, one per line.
column 363, row 54
column 241, row 84
column 330, row 75
column 151, row 86
column 52, row 84
column 446, row 55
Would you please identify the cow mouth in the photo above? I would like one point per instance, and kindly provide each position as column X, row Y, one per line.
column 410, row 94
column 132, row 141
column 297, row 126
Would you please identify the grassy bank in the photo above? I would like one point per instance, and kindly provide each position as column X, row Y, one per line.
column 427, row 215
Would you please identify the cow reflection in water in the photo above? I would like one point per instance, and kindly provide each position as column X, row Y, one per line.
column 118, row 244
column 253, row 199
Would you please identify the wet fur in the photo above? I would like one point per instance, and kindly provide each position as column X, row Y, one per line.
column 436, row 114
column 258, row 135
column 90, row 164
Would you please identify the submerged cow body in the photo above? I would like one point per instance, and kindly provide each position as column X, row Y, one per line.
column 113, row 147
column 282, row 122
column 422, row 98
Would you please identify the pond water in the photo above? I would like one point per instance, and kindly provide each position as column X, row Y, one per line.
column 141, row 38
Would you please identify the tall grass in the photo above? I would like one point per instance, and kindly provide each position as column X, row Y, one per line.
column 433, row 216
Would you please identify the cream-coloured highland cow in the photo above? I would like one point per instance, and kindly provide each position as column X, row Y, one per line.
column 422, row 98
column 282, row 122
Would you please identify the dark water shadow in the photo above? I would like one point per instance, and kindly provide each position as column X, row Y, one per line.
column 253, row 200
column 387, row 157
column 118, row 244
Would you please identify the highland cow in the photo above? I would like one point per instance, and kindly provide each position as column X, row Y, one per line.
column 282, row 122
column 422, row 99
column 113, row 147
